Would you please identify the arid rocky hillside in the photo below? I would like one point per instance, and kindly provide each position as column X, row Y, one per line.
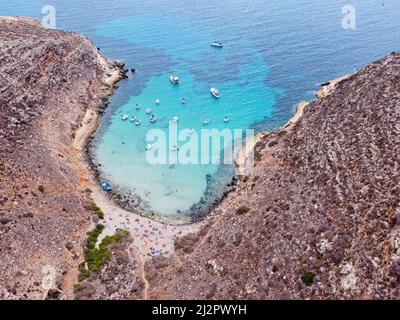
column 47, row 81
column 321, row 216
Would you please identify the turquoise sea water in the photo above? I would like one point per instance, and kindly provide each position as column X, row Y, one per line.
column 275, row 55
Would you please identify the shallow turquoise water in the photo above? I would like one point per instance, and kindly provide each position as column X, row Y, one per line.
column 238, row 70
column 276, row 52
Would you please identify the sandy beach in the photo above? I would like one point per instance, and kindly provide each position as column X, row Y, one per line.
column 151, row 236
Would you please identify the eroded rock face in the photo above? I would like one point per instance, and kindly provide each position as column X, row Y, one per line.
column 324, row 206
column 47, row 81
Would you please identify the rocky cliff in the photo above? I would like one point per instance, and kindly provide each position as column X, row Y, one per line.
column 48, row 79
column 321, row 216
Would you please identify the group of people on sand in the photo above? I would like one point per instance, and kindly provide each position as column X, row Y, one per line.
column 150, row 238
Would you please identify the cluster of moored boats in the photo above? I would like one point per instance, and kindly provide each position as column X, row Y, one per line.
column 135, row 120
column 175, row 81
column 153, row 118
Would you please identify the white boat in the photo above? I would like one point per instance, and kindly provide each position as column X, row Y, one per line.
column 174, row 148
column 226, row 119
column 133, row 119
column 183, row 101
column 174, row 119
column 153, row 118
column 216, row 44
column 149, row 147
column 124, row 117
column 206, row 122
column 174, row 79
column 138, row 123
column 137, row 106
column 215, row 93
column 157, row 101
column 148, row 110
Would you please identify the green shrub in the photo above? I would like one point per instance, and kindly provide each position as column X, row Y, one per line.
column 96, row 258
column 242, row 210
column 41, row 188
column 308, row 278
column 77, row 287
column 96, row 210
column 53, row 294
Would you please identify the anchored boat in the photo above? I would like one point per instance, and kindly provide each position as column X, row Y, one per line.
column 216, row 44
column 153, row 118
column 174, row 79
column 174, row 119
column 215, row 93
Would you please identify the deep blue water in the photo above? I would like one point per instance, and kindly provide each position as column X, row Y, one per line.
column 276, row 53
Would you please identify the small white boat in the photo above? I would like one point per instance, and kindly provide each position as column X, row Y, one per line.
column 149, row 147
column 124, row 117
column 227, row 119
column 133, row 119
column 137, row 106
column 206, row 122
column 157, row 101
column 216, row 44
column 174, row 79
column 138, row 123
column 174, row 119
column 215, row 93
column 183, row 101
column 148, row 110
column 153, row 118
column 174, row 148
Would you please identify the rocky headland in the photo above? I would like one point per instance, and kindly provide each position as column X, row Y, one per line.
column 49, row 80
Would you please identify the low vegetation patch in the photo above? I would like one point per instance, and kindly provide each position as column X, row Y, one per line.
column 96, row 258
column 308, row 278
column 242, row 210
column 96, row 210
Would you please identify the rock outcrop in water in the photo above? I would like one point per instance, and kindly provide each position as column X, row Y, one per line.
column 321, row 216
column 48, row 79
